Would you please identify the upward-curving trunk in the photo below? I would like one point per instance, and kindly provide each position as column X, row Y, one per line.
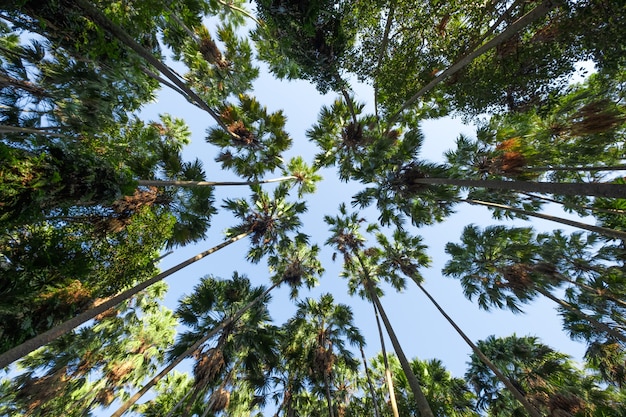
column 38, row 341
column 506, row 381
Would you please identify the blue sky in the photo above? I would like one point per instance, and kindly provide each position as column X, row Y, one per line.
column 420, row 328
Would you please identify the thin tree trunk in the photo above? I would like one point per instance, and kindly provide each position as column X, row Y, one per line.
column 370, row 385
column 388, row 377
column 576, row 189
column 418, row 394
column 119, row 33
column 329, row 398
column 574, row 206
column 30, row 345
column 578, row 168
column 535, row 14
column 173, row 183
column 132, row 400
column 506, row 381
column 598, row 325
column 35, row 131
column 614, row 234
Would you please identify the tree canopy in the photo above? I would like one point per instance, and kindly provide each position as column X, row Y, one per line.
column 98, row 191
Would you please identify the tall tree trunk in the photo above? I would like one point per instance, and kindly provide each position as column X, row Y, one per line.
column 614, row 234
column 418, row 394
column 388, row 376
column 120, row 34
column 36, row 342
column 535, row 14
column 573, row 206
column 132, row 400
column 598, row 325
column 329, row 398
column 370, row 385
column 576, row 189
column 174, row 183
column 506, row 381
column 577, row 168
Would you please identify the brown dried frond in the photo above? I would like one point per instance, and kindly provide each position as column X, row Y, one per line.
column 352, row 135
column 118, row 371
column 244, row 136
column 105, row 397
column 219, row 400
column 208, row 367
column 227, row 114
column 405, row 183
column 508, row 47
column 210, row 52
column 293, row 273
column 546, row 34
column 510, row 163
column 596, row 117
column 112, row 312
column 140, row 198
column 518, row 276
column 562, row 405
column 38, row 391
column 323, row 361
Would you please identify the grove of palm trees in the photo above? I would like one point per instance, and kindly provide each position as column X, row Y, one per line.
column 183, row 236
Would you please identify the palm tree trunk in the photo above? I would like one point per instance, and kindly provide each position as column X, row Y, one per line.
column 418, row 394
column 506, row 381
column 36, row 342
column 388, row 377
column 576, row 189
column 598, row 325
column 577, row 168
column 614, row 234
column 30, row 130
column 370, row 385
column 120, row 34
column 573, row 206
column 535, row 14
column 132, row 400
column 172, row 183
column 329, row 398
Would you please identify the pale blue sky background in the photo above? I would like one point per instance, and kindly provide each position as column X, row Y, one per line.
column 423, row 332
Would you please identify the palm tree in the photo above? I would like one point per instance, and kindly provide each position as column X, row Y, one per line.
column 243, row 350
column 121, row 348
column 406, row 255
column 547, row 377
column 497, row 266
column 362, row 267
column 266, row 221
column 240, row 284
column 317, row 336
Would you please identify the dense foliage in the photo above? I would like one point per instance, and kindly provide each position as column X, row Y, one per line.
column 93, row 195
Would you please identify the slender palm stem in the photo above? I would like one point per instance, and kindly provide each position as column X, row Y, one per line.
column 132, row 400
column 506, row 381
column 614, row 234
column 595, row 323
column 388, row 376
column 370, row 385
column 30, row 345
column 119, row 33
column 173, row 183
column 535, row 14
column 573, row 206
column 598, row 189
column 418, row 394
